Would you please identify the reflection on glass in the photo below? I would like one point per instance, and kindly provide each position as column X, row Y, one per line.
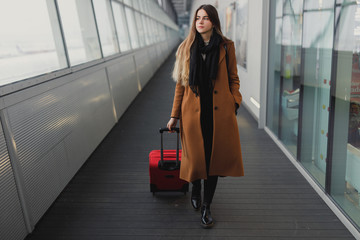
column 274, row 66
column 78, row 22
column 319, row 5
column 309, row 33
column 317, row 54
column 121, row 28
column 30, row 42
column 106, row 27
column 132, row 27
column 290, row 73
column 345, row 177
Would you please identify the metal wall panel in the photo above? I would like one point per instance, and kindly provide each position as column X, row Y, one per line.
column 56, row 125
column 159, row 50
column 124, row 86
column 12, row 225
column 143, row 66
column 153, row 58
column 79, row 113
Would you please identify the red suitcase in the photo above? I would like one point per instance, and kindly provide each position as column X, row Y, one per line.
column 164, row 168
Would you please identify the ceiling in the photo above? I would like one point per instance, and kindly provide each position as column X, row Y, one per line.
column 182, row 7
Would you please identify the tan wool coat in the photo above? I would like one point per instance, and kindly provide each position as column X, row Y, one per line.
column 226, row 159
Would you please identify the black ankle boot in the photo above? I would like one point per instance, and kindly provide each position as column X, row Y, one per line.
column 206, row 219
column 196, row 199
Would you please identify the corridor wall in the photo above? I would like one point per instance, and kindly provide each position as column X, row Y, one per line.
column 53, row 118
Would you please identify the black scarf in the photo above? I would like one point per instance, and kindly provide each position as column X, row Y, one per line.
column 203, row 72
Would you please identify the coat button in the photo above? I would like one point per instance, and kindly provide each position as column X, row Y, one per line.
column 215, row 92
column 196, row 110
column 215, row 107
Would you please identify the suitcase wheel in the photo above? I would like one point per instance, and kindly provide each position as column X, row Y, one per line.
column 184, row 189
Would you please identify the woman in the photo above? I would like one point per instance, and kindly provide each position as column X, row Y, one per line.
column 205, row 101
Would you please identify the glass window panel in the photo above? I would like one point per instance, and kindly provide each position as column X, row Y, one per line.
column 290, row 75
column 337, row 14
column 274, row 66
column 291, row 30
column 151, row 9
column 31, row 44
column 128, row 2
column 106, row 26
column 279, row 8
column 136, row 4
column 318, row 5
column 293, row 7
column 160, row 27
column 156, row 31
column 163, row 29
column 278, row 30
column 160, row 31
column 318, row 29
column 81, row 37
column 345, row 161
column 146, row 7
column 317, row 54
column 146, row 29
column 140, row 28
column 142, row 6
column 132, row 27
column 121, row 28
column 345, row 39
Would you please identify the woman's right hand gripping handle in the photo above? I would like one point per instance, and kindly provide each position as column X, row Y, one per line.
column 172, row 123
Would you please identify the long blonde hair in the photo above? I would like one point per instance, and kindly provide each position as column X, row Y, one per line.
column 181, row 67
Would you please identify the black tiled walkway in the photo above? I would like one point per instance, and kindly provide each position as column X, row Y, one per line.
column 109, row 198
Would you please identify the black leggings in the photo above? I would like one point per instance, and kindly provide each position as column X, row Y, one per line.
column 209, row 188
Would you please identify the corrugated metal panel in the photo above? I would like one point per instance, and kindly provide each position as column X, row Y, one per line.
column 12, row 225
column 79, row 112
column 123, row 81
column 143, row 66
column 160, row 55
column 153, row 56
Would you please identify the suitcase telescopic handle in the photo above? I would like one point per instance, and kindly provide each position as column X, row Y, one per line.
column 165, row 129
column 162, row 144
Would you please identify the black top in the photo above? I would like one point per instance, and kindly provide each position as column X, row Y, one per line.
column 206, row 119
